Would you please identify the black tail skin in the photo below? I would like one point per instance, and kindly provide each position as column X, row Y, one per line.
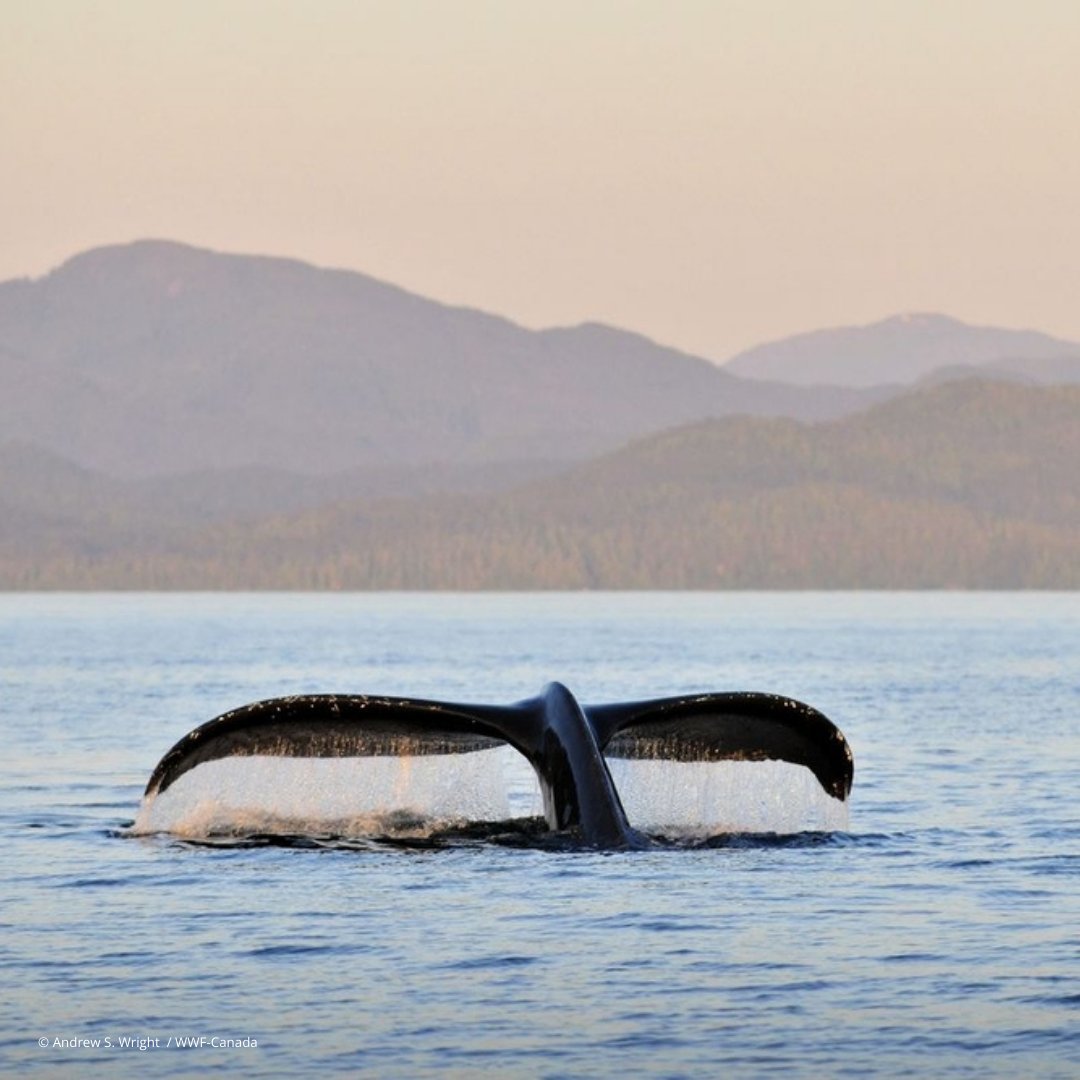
column 565, row 742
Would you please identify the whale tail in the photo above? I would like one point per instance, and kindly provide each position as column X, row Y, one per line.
column 565, row 743
column 339, row 726
column 738, row 726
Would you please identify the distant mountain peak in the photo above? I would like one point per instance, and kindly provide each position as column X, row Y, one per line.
column 919, row 319
column 143, row 252
column 900, row 349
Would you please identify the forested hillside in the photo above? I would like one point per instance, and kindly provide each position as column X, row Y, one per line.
column 963, row 485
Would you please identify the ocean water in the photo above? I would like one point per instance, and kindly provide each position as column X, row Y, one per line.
column 932, row 931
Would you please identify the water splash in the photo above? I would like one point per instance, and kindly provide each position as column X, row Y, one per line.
column 424, row 795
column 698, row 799
column 393, row 796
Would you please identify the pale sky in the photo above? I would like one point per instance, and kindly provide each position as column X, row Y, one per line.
column 711, row 174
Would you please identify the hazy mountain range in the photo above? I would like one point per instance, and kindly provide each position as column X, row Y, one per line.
column 177, row 418
column 154, row 358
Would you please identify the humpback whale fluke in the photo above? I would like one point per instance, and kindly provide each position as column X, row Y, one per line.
column 565, row 742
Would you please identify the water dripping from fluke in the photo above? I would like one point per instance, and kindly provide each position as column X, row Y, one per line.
column 357, row 771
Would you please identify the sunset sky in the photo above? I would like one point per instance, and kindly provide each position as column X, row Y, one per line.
column 711, row 174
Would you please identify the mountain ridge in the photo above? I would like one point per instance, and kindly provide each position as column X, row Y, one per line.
column 156, row 358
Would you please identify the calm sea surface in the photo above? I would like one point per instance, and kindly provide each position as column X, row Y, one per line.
column 937, row 934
